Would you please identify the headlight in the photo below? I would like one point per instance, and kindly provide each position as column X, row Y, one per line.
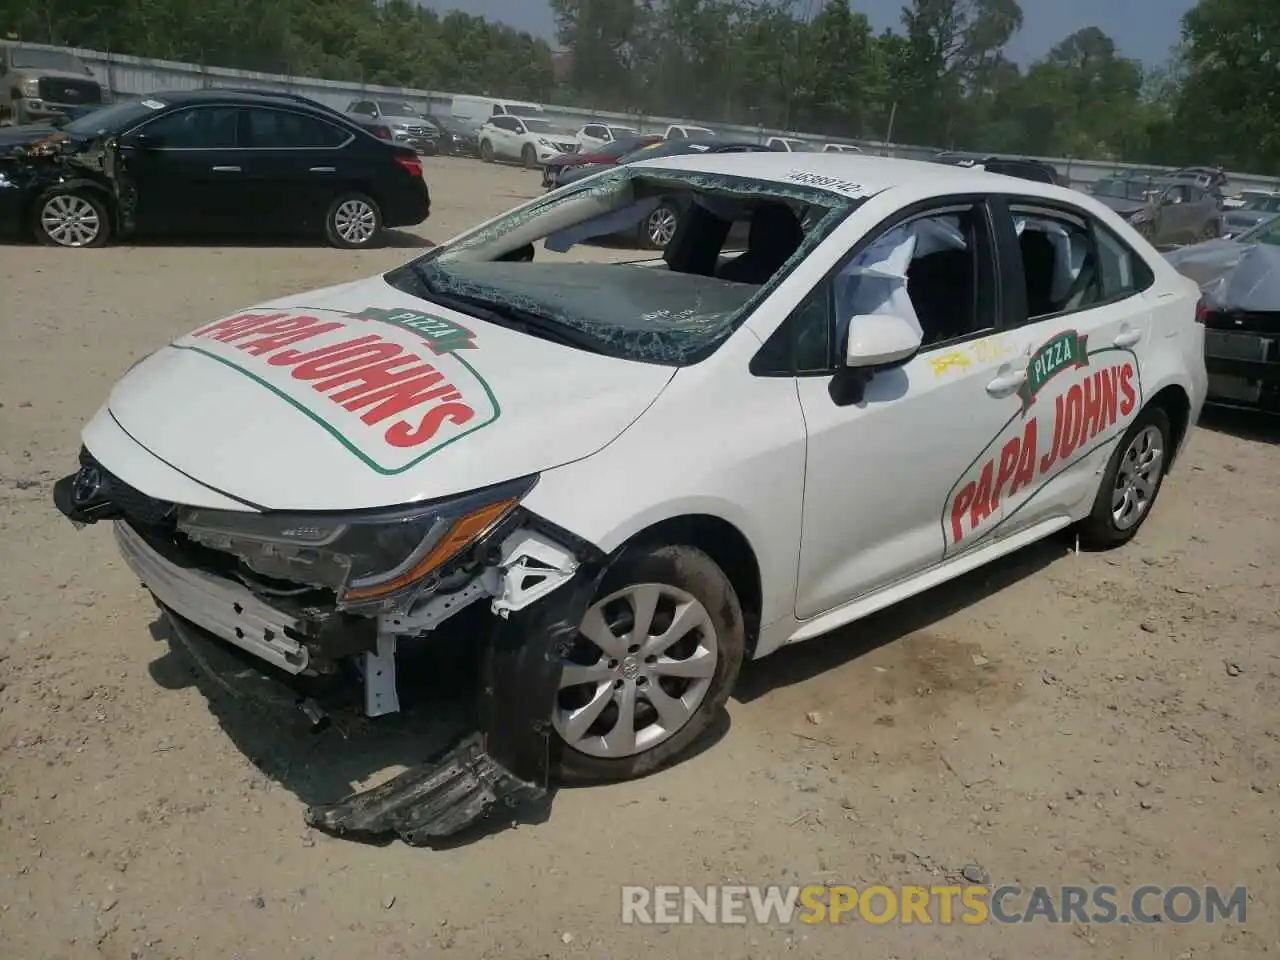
column 376, row 561
column 30, row 88
column 542, row 141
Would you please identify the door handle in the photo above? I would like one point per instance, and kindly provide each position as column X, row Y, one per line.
column 1127, row 338
column 226, row 169
column 323, row 169
column 1007, row 383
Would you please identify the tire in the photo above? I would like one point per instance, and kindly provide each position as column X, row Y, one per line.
column 659, row 227
column 71, row 218
column 1208, row 232
column 353, row 222
column 486, row 151
column 529, row 157
column 682, row 579
column 1102, row 530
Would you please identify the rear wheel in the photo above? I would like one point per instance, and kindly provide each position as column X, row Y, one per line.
column 656, row 657
column 1131, row 483
column 486, row 151
column 529, row 157
column 353, row 221
column 72, row 218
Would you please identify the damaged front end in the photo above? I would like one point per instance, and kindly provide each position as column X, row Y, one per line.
column 324, row 597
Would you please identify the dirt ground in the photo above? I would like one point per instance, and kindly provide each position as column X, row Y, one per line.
column 1057, row 718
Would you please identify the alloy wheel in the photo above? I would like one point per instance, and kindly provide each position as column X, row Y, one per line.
column 1138, row 477
column 70, row 220
column 661, row 226
column 643, row 664
column 355, row 221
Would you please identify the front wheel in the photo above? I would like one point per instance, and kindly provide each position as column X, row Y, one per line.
column 529, row 157
column 486, row 151
column 656, row 657
column 353, row 222
column 72, row 218
column 1130, row 483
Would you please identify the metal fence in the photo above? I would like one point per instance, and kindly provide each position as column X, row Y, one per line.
column 134, row 76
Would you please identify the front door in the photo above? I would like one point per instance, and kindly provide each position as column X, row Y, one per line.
column 882, row 469
column 1082, row 338
column 184, row 170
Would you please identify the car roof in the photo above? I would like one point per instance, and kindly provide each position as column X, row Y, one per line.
column 235, row 95
column 863, row 175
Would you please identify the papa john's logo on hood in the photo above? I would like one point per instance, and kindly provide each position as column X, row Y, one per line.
column 391, row 385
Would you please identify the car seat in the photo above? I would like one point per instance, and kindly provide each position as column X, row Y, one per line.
column 1039, row 262
column 941, row 289
column 775, row 235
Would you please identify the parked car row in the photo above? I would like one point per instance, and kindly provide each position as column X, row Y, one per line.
column 207, row 161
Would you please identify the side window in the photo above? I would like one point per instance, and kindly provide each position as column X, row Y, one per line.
column 1072, row 263
column 196, row 128
column 499, row 110
column 935, row 269
column 284, row 130
column 802, row 345
column 366, row 108
column 675, row 133
column 505, row 123
column 1122, row 272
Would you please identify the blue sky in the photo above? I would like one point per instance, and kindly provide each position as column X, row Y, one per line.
column 1143, row 29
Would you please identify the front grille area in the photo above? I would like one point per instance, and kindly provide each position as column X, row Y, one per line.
column 69, row 91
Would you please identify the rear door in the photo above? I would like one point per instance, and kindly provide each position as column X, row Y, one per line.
column 1080, row 327
column 185, row 170
column 296, row 164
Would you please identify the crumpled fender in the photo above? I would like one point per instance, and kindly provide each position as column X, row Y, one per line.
column 509, row 761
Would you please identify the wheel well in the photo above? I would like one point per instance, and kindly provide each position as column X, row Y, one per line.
column 725, row 544
column 1173, row 400
column 101, row 191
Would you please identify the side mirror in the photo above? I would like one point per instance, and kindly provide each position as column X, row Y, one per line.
column 880, row 340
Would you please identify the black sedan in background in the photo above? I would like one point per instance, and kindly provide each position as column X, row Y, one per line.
column 207, row 161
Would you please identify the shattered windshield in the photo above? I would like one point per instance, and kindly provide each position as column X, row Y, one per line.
column 565, row 268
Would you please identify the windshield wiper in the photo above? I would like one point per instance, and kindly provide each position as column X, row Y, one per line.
column 513, row 318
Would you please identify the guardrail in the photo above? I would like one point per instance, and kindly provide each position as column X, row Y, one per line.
column 132, row 76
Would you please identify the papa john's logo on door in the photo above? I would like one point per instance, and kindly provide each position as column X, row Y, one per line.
column 361, row 376
column 1072, row 402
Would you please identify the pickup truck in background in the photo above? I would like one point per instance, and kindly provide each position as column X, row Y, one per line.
column 38, row 85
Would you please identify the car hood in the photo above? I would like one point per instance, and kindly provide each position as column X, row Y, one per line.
column 1205, row 262
column 362, row 396
column 23, row 136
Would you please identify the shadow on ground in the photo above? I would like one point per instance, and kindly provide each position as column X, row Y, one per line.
column 439, row 693
column 804, row 661
column 1245, row 424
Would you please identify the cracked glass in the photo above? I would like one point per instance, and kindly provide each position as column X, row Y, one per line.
column 565, row 267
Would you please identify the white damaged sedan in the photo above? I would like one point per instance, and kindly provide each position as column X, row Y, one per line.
column 636, row 475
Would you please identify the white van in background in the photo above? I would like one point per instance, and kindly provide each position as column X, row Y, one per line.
column 474, row 112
